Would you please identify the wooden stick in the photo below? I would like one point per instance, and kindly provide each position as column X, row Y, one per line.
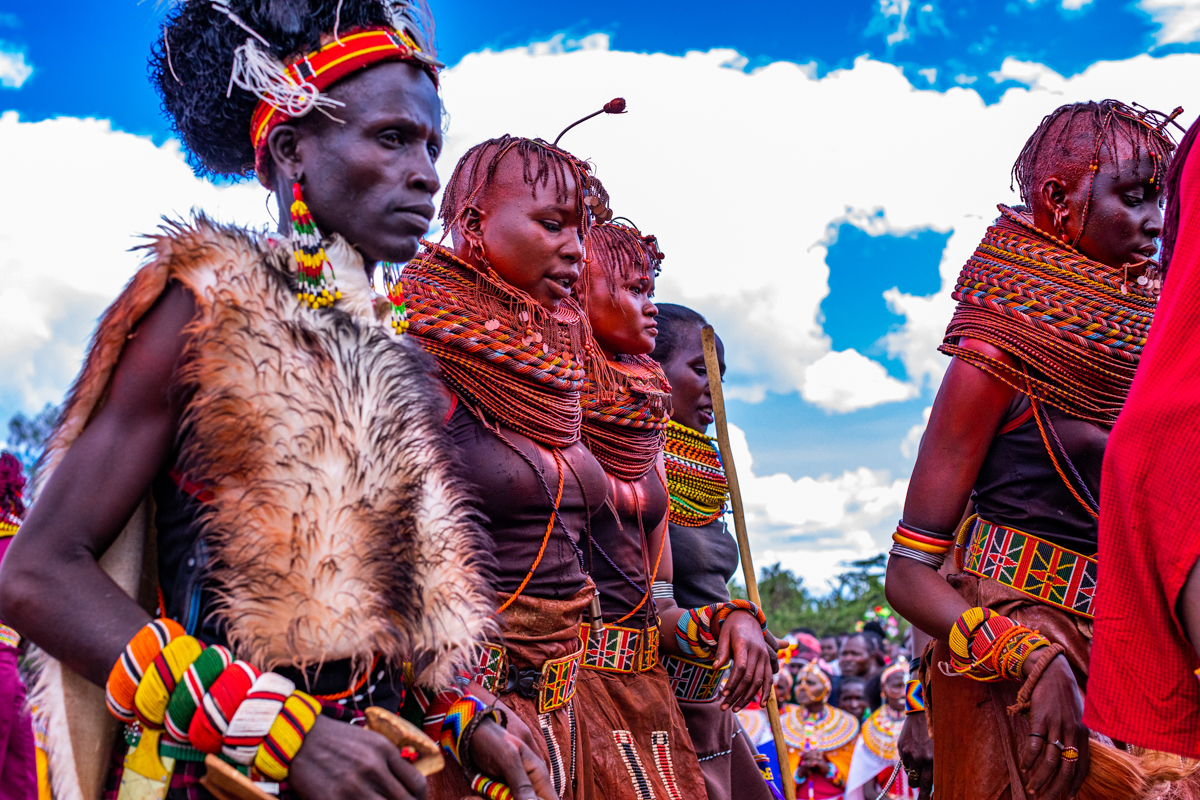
column 709, row 338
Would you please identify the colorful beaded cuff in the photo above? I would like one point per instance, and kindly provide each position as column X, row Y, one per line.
column 988, row 646
column 699, row 629
column 274, row 756
column 9, row 637
column 188, row 695
column 914, row 697
column 921, row 540
column 220, row 703
column 126, row 674
column 162, row 676
column 254, row 717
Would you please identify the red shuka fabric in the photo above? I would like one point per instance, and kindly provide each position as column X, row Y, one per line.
column 1141, row 689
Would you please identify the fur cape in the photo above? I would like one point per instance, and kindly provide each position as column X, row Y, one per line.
column 338, row 528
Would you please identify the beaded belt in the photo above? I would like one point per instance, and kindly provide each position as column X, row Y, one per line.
column 552, row 686
column 617, row 649
column 1034, row 567
column 692, row 681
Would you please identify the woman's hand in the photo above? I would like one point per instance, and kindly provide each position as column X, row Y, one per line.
column 502, row 755
column 916, row 754
column 754, row 653
column 813, row 761
column 1056, row 716
column 340, row 760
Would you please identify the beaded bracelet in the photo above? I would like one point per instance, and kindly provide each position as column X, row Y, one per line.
column 987, row 646
column 254, row 717
column 490, row 789
column 211, row 720
column 929, row 542
column 462, row 718
column 274, row 756
column 699, row 629
column 126, row 674
column 914, row 697
column 188, row 695
column 161, row 677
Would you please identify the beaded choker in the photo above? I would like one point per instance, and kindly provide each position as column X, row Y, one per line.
column 499, row 350
column 695, row 477
column 623, row 425
column 826, row 730
column 881, row 730
column 1078, row 326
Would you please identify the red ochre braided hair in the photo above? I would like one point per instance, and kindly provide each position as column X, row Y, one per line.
column 1100, row 126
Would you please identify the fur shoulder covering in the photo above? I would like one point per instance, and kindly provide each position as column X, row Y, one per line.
column 338, row 528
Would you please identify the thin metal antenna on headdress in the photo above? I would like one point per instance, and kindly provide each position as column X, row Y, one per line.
column 614, row 106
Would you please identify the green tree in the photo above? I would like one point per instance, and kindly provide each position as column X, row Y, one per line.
column 789, row 604
column 27, row 435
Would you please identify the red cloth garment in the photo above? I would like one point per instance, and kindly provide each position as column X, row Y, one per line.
column 1150, row 521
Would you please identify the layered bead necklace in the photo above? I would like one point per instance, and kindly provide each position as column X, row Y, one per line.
column 695, row 477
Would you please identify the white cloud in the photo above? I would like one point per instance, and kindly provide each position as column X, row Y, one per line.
column 845, row 380
column 1178, row 20
column 810, row 525
column 1075, row 5
column 1033, row 75
column 739, row 173
column 77, row 194
column 14, row 71
column 912, row 440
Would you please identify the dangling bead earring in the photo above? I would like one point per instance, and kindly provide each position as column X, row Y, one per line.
column 317, row 288
column 395, row 294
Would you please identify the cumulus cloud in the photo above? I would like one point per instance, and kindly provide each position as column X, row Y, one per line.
column 77, row 195
column 739, row 173
column 14, row 70
column 810, row 525
column 1178, row 20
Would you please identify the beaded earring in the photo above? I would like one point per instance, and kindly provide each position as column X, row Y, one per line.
column 317, row 287
column 395, row 294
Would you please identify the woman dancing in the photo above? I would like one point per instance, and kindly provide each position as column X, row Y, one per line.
column 249, row 429
column 634, row 723
column 1053, row 312
column 703, row 557
column 497, row 314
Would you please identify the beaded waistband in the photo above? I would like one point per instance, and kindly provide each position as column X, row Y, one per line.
column 692, row 681
column 617, row 649
column 1034, row 567
column 552, row 686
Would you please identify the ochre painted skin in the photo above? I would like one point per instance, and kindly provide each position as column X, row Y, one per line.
column 691, row 399
column 525, row 233
column 1123, row 219
column 371, row 177
column 621, row 311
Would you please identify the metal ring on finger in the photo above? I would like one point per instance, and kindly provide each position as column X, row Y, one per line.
column 1037, row 735
column 1058, row 744
column 1070, row 754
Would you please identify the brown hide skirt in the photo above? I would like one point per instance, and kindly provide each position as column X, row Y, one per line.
column 976, row 743
column 640, row 747
column 536, row 630
column 726, row 757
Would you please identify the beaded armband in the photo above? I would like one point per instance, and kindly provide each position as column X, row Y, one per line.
column 255, row 716
column 188, row 695
column 451, row 720
column 927, row 547
column 274, row 756
column 220, row 703
column 699, row 629
column 127, row 673
column 160, row 679
column 987, row 646
column 914, row 697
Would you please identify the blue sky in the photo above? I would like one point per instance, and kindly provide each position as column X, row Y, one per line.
column 848, row 156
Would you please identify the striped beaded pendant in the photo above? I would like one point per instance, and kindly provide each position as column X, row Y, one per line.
column 317, row 287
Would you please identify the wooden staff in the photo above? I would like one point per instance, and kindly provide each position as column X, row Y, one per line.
column 709, row 338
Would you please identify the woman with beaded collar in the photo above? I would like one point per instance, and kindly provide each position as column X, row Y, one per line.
column 248, row 419
column 701, row 558
column 820, row 737
column 1053, row 311
column 495, row 311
